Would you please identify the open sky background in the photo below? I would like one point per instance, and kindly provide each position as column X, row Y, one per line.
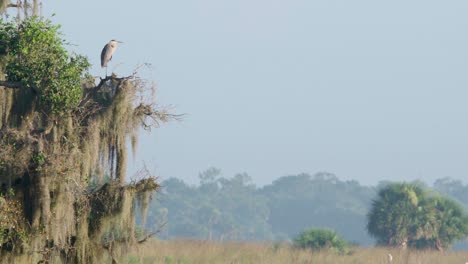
column 368, row 90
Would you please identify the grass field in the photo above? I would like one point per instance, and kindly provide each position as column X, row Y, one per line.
column 202, row 252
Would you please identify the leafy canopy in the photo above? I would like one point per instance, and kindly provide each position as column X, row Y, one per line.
column 408, row 215
column 36, row 57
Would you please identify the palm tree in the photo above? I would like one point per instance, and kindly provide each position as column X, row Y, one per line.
column 406, row 214
column 449, row 223
column 393, row 215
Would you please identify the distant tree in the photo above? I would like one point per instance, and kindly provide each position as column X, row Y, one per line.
column 217, row 209
column 454, row 188
column 407, row 215
column 322, row 239
column 209, row 176
column 392, row 218
column 322, row 200
column 448, row 185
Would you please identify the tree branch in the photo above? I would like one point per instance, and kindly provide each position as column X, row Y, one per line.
column 113, row 78
column 17, row 85
column 13, row 85
column 146, row 237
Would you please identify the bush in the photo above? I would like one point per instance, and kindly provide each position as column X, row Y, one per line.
column 322, row 239
column 35, row 57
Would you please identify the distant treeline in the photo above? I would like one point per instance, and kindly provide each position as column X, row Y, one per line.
column 234, row 208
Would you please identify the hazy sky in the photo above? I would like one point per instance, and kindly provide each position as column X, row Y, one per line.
column 368, row 90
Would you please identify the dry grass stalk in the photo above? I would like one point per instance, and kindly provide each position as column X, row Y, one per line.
column 199, row 252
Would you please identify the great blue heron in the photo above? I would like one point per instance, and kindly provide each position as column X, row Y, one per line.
column 107, row 51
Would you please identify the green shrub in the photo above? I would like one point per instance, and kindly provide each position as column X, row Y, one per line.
column 35, row 56
column 322, row 239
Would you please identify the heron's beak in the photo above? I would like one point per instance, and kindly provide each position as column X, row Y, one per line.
column 119, row 41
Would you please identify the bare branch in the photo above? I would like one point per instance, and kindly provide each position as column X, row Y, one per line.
column 114, row 78
column 147, row 237
column 144, row 111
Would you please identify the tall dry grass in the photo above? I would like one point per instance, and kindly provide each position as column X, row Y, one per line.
column 203, row 252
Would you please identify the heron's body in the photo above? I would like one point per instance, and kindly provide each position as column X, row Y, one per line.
column 108, row 51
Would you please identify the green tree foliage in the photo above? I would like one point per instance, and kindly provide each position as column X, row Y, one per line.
column 35, row 56
column 322, row 239
column 392, row 219
column 408, row 215
column 458, row 191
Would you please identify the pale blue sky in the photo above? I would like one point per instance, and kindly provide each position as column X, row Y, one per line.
column 368, row 90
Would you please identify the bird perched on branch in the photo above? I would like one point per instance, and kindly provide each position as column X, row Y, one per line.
column 107, row 51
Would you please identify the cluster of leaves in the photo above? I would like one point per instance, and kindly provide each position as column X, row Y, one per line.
column 408, row 215
column 12, row 230
column 36, row 57
column 322, row 239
